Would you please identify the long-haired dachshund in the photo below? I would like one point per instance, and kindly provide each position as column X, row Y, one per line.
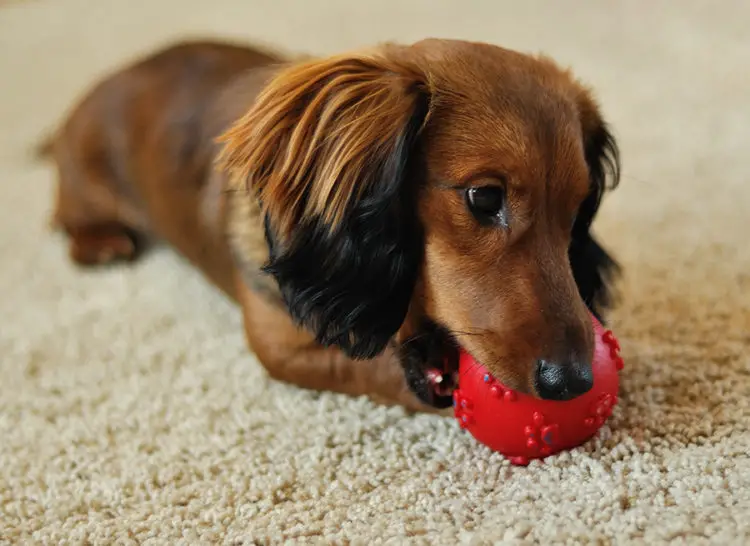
column 371, row 212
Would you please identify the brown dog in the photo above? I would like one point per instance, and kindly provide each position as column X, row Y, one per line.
column 371, row 212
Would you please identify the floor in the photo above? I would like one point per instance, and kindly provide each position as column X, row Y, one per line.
column 130, row 411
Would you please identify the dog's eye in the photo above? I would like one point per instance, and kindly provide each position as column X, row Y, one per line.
column 487, row 204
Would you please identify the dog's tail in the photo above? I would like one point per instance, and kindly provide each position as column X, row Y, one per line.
column 44, row 148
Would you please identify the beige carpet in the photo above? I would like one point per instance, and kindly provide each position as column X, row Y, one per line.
column 130, row 411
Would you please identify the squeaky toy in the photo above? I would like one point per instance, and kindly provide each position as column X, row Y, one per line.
column 523, row 427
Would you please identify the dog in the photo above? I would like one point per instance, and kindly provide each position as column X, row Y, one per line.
column 373, row 213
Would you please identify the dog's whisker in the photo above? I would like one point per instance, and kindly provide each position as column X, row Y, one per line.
column 639, row 180
column 419, row 336
column 457, row 333
column 235, row 190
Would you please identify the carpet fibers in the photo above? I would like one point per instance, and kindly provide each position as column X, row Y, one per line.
column 131, row 412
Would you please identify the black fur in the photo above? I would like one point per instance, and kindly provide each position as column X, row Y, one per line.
column 352, row 285
column 593, row 267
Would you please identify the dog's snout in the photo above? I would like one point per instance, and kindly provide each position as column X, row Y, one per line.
column 563, row 381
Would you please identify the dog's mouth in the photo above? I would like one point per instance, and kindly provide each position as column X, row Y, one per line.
column 430, row 362
column 443, row 383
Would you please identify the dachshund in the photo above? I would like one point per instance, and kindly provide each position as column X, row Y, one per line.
column 372, row 213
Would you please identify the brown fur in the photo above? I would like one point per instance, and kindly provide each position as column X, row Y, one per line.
column 198, row 143
column 359, row 103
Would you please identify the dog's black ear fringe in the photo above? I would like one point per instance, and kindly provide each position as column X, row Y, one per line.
column 351, row 285
column 594, row 269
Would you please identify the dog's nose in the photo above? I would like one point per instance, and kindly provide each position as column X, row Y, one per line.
column 563, row 381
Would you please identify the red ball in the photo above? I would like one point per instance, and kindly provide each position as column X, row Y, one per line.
column 522, row 427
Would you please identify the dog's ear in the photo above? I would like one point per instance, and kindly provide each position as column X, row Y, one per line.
column 594, row 269
column 330, row 151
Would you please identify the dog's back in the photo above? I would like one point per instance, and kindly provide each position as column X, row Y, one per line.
column 137, row 150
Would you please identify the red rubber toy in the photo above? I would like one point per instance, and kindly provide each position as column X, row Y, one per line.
column 522, row 427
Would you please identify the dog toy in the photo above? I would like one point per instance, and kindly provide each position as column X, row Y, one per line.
column 522, row 427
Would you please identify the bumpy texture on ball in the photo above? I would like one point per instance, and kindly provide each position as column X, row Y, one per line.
column 522, row 427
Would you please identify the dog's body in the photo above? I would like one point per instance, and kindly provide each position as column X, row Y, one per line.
column 336, row 200
column 135, row 156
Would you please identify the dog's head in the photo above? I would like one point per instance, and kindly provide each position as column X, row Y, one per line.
column 431, row 196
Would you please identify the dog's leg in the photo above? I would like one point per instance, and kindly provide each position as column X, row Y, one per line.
column 100, row 244
column 100, row 224
column 292, row 355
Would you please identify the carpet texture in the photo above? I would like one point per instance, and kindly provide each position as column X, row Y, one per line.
column 130, row 411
